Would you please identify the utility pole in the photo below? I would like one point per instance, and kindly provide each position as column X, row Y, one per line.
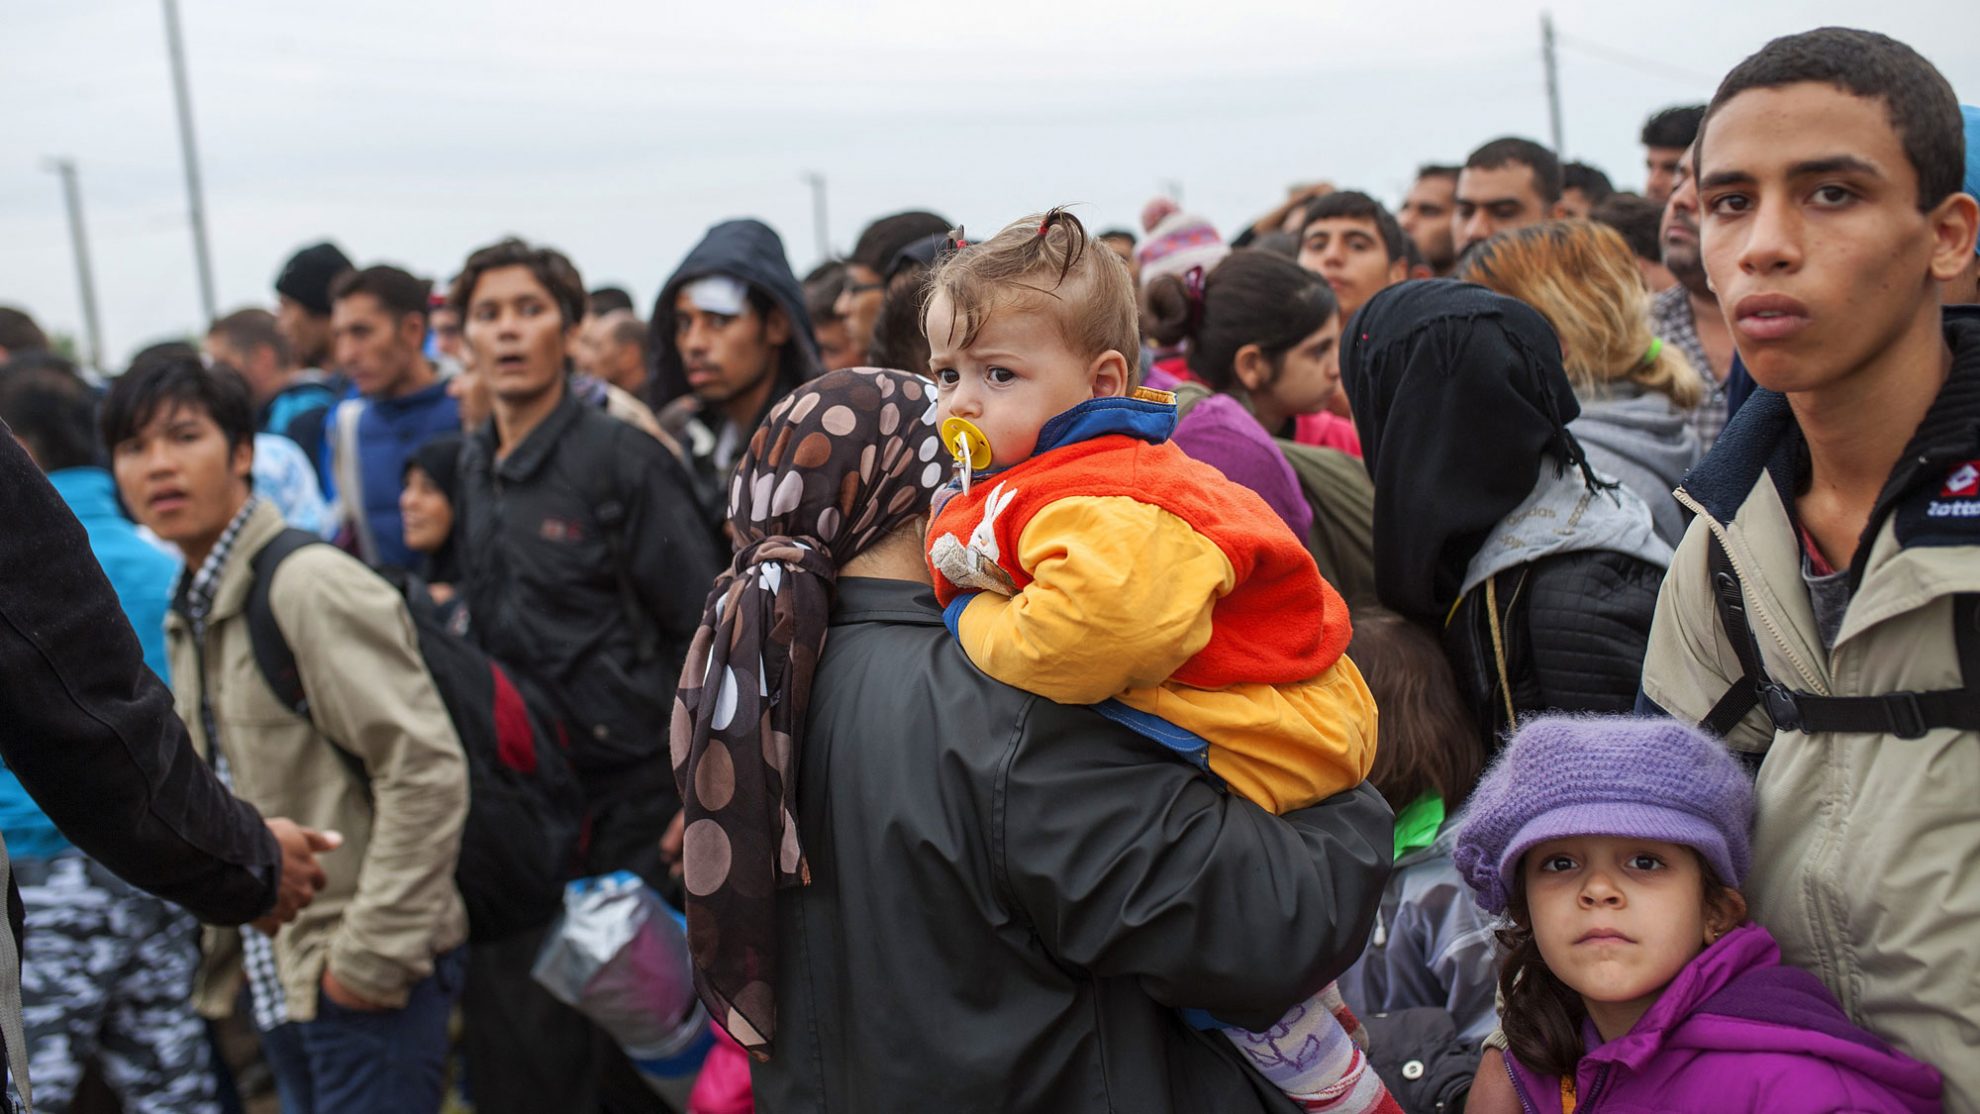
column 189, row 153
column 818, row 226
column 1553, row 81
column 72, row 197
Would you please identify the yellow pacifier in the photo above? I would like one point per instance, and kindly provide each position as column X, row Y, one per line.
column 967, row 444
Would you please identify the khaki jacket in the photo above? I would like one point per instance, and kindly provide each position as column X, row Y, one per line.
column 390, row 905
column 1866, row 850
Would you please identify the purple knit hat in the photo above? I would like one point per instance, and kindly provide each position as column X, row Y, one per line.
column 1604, row 775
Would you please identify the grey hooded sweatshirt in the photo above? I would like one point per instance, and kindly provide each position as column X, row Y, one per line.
column 1642, row 439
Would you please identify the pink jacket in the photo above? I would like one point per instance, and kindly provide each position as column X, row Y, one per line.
column 1737, row 1031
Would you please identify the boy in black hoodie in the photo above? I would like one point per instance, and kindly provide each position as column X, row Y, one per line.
column 730, row 337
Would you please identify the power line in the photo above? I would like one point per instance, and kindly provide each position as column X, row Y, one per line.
column 1646, row 65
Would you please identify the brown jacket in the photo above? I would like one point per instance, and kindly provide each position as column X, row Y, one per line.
column 390, row 905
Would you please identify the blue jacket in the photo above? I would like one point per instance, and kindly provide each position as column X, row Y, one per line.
column 388, row 433
column 142, row 576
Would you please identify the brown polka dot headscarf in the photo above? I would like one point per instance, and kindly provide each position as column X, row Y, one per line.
column 834, row 468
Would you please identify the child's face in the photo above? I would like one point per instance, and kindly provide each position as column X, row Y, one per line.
column 1616, row 919
column 1812, row 236
column 1016, row 375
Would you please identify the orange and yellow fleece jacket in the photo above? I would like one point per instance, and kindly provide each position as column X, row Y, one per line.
column 1144, row 582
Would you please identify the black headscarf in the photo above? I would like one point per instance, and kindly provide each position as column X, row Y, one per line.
column 440, row 459
column 836, row 467
column 1458, row 394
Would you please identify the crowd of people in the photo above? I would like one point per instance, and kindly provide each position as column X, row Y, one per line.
column 1515, row 651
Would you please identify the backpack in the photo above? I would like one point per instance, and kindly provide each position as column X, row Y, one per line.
column 1906, row 715
column 525, row 813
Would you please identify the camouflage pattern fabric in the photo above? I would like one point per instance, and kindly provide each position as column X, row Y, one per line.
column 106, row 975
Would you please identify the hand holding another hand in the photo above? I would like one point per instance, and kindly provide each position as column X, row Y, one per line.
column 301, row 877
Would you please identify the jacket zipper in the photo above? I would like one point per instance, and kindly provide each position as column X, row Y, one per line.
column 1524, row 1103
column 1809, row 680
column 1594, row 1090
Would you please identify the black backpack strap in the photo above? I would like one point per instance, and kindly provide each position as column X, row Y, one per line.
column 1730, row 600
column 1905, row 715
column 272, row 654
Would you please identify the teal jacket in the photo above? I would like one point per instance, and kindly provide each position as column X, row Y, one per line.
column 142, row 575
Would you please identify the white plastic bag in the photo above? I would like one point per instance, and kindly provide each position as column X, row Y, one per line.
column 619, row 955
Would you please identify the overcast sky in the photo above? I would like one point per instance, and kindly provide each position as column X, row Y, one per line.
column 412, row 133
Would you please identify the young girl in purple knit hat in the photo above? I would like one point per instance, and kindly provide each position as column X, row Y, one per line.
column 1632, row 979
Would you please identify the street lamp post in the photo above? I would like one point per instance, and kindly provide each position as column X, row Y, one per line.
column 189, row 153
column 72, row 198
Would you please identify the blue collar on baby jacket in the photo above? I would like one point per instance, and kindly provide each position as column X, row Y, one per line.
column 1144, row 413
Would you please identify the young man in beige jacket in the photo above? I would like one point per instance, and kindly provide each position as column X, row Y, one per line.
column 352, row 999
column 1823, row 611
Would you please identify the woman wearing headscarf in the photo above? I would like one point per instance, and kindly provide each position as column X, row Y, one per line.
column 432, row 488
column 1490, row 524
column 997, row 887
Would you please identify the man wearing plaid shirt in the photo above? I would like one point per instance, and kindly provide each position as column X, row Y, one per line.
column 1687, row 315
column 353, row 998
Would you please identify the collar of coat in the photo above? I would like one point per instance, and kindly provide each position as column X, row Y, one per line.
column 528, row 457
column 1763, row 438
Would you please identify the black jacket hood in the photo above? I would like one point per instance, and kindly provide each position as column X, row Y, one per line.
column 753, row 252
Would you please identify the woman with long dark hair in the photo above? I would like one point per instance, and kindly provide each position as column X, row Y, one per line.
column 1262, row 338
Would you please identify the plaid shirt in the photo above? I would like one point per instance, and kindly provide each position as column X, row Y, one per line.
column 271, row 1006
column 1671, row 319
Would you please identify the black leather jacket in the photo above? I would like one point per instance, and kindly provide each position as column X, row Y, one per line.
column 1011, row 899
column 1574, row 627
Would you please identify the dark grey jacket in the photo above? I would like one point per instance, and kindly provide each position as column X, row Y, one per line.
column 1011, row 899
column 548, row 596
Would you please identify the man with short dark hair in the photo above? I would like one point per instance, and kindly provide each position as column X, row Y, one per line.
column 1637, row 218
column 1349, row 239
column 731, row 337
column 379, row 329
column 353, row 999
column 1666, row 136
column 19, row 333
column 607, row 299
column 821, row 300
column 1687, row 314
column 1823, row 610
column 618, row 350
column 587, row 566
column 1582, row 188
column 1507, row 183
column 866, row 269
column 291, row 400
column 1425, row 215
